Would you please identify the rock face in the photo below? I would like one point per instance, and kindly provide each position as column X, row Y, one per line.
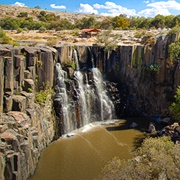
column 27, row 127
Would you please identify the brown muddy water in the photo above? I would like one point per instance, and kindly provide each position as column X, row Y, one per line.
column 82, row 156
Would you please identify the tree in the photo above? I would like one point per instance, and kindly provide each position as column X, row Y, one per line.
column 37, row 7
column 10, row 23
column 169, row 21
column 158, row 21
column 121, row 22
column 86, row 23
column 105, row 24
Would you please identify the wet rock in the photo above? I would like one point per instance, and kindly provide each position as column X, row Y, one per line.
column 133, row 125
column 151, row 128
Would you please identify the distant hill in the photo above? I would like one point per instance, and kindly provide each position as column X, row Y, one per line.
column 14, row 11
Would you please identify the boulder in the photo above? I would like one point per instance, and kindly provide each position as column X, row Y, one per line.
column 151, row 128
column 19, row 103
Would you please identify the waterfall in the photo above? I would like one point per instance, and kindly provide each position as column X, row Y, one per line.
column 61, row 93
column 76, row 59
column 82, row 98
column 82, row 90
column 86, row 102
column 106, row 105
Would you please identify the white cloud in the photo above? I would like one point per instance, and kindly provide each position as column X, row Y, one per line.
column 114, row 9
column 146, row 2
column 170, row 4
column 153, row 8
column 160, row 7
column 19, row 4
column 86, row 8
column 57, row 7
column 153, row 12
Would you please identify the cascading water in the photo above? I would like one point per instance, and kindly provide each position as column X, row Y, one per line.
column 85, row 116
column 61, row 95
column 76, row 59
column 106, row 105
column 92, row 102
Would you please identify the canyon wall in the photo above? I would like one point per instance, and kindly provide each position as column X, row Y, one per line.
column 28, row 125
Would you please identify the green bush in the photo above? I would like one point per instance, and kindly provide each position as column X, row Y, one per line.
column 154, row 67
column 4, row 39
column 70, row 63
column 42, row 29
column 157, row 158
column 174, row 50
column 107, row 40
column 175, row 106
column 174, row 30
column 139, row 34
column 30, row 90
column 42, row 95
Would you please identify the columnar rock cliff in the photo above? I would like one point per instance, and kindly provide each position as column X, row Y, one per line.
column 28, row 126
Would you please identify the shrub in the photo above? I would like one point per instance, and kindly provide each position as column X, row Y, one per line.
column 4, row 39
column 43, row 94
column 157, row 158
column 23, row 14
column 174, row 50
column 30, row 90
column 107, row 40
column 70, row 63
column 42, row 29
column 19, row 30
column 139, row 34
column 175, row 106
column 174, row 30
column 154, row 67
column 52, row 41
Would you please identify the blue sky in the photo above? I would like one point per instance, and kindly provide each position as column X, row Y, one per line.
column 147, row 8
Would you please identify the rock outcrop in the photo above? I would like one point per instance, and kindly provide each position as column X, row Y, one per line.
column 26, row 127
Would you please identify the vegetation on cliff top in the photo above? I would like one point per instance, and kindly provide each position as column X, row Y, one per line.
column 4, row 39
column 34, row 19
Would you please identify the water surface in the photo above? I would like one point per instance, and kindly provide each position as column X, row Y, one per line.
column 82, row 156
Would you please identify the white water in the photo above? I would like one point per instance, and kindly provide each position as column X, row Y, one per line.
column 106, row 105
column 92, row 100
column 85, row 116
column 60, row 81
column 76, row 59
